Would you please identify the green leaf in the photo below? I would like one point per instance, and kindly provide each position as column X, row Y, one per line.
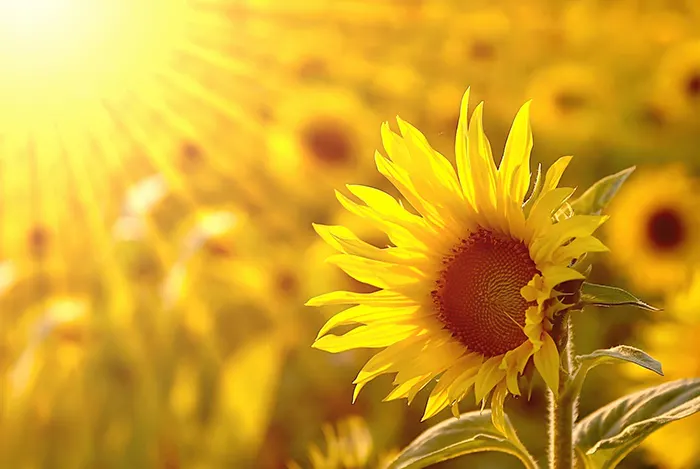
column 470, row 433
column 604, row 295
column 599, row 195
column 606, row 436
column 621, row 353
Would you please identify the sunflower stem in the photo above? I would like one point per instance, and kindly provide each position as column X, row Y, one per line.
column 562, row 408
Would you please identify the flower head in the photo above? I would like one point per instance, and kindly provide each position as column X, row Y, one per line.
column 468, row 286
column 654, row 229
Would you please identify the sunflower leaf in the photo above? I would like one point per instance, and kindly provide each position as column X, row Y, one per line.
column 621, row 353
column 472, row 432
column 599, row 195
column 604, row 295
column 606, row 436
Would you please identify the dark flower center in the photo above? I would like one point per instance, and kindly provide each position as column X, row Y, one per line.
column 191, row 153
column 692, row 85
column 666, row 229
column 482, row 50
column 569, row 101
column 478, row 293
column 287, row 283
column 38, row 240
column 328, row 142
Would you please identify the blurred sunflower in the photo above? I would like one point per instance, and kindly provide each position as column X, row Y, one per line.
column 677, row 80
column 319, row 135
column 477, row 39
column 452, row 304
column 655, row 227
column 672, row 339
column 571, row 101
column 310, row 54
column 348, row 446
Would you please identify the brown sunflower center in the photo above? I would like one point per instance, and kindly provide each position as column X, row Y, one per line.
column 478, row 293
column 38, row 240
column 569, row 101
column 666, row 229
column 328, row 142
column 482, row 50
column 692, row 86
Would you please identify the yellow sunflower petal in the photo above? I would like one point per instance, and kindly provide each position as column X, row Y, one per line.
column 576, row 248
column 409, row 388
column 366, row 337
column 544, row 207
column 514, row 170
column 464, row 382
column 547, row 363
column 498, row 415
column 412, row 157
column 439, row 397
column 462, row 152
column 514, row 363
column 555, row 274
column 481, row 162
column 555, row 172
column 344, row 240
column 386, row 361
column 400, row 179
column 365, row 314
column 377, row 273
column 434, row 167
column 381, row 297
column 562, row 232
column 387, row 207
column 398, row 230
column 489, row 375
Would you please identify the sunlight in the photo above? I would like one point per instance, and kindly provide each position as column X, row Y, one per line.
column 57, row 53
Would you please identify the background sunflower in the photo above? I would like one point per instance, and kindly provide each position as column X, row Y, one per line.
column 159, row 175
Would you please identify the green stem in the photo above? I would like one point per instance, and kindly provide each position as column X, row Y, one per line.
column 562, row 409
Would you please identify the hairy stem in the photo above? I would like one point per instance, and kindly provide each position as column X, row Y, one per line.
column 562, row 409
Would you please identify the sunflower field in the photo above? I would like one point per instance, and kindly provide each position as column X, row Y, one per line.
column 221, row 248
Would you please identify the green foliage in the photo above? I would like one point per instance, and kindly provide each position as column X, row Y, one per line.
column 606, row 436
column 604, row 295
column 621, row 353
column 472, row 432
column 599, row 195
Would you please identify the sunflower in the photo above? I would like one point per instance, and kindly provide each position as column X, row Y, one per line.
column 573, row 98
column 317, row 136
column 349, row 445
column 672, row 338
column 677, row 79
column 655, row 227
column 467, row 290
column 480, row 39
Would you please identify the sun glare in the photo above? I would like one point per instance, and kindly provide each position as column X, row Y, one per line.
column 56, row 52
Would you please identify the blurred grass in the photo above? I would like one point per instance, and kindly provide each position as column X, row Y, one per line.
column 173, row 218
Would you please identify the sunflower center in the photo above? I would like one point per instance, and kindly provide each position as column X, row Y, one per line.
column 692, row 86
column 328, row 143
column 482, row 50
column 665, row 229
column 478, row 293
column 569, row 101
column 191, row 154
